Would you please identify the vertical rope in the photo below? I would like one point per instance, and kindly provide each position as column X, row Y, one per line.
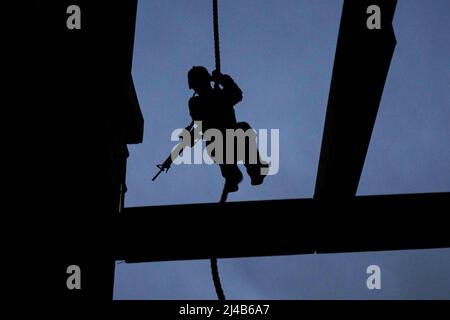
column 216, row 279
column 216, row 34
column 214, row 267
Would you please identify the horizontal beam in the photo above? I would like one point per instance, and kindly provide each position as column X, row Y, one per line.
column 282, row 227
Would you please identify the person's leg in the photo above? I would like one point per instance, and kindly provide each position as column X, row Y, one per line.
column 255, row 169
column 233, row 176
column 231, row 173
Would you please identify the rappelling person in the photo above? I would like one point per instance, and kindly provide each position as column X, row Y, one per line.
column 214, row 107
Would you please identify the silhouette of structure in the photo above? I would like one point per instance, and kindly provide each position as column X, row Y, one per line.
column 75, row 101
column 76, row 111
column 334, row 220
column 300, row 226
column 361, row 66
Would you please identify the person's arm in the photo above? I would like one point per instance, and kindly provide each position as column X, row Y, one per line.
column 231, row 90
column 194, row 109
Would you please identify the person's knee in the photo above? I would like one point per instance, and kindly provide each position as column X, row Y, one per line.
column 243, row 125
column 231, row 171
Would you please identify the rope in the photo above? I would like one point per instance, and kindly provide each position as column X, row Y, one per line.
column 214, row 267
column 216, row 279
column 216, row 34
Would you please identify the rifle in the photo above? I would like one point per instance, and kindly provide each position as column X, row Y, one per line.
column 165, row 166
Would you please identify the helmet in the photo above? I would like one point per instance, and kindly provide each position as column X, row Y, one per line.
column 198, row 75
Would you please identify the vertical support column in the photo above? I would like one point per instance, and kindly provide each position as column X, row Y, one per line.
column 363, row 56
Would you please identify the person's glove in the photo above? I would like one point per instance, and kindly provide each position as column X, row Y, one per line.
column 216, row 76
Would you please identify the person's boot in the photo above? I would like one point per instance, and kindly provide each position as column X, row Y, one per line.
column 258, row 178
column 232, row 184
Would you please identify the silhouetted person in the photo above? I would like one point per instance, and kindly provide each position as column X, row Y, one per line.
column 215, row 108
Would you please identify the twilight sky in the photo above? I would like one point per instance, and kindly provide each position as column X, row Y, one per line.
column 281, row 53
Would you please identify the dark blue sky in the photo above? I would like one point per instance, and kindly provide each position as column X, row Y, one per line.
column 281, row 53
